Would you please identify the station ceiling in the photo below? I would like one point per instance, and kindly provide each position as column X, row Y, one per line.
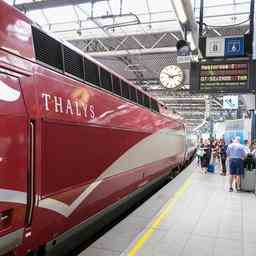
column 137, row 39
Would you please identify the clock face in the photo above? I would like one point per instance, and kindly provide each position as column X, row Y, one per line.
column 171, row 76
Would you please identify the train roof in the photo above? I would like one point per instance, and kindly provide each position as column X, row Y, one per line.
column 21, row 22
column 22, row 16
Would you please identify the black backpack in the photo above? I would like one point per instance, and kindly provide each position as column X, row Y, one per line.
column 249, row 163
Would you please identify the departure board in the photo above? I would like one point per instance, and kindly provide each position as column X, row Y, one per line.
column 227, row 77
column 220, row 77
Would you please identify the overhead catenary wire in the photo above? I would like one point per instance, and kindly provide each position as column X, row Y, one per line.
column 226, row 26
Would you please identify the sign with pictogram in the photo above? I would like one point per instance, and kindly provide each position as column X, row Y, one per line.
column 225, row 46
column 215, row 46
column 234, row 46
column 230, row 102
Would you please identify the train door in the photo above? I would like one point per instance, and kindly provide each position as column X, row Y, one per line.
column 14, row 148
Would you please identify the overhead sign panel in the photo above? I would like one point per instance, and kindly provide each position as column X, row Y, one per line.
column 220, row 77
column 227, row 77
column 234, row 46
column 230, row 102
column 215, row 47
column 225, row 47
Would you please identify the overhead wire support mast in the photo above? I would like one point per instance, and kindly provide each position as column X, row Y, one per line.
column 201, row 23
column 252, row 16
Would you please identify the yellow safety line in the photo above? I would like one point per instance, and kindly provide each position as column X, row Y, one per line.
column 164, row 212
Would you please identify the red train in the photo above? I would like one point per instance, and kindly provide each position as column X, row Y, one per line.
column 77, row 141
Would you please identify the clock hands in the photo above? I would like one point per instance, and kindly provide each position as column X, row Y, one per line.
column 170, row 76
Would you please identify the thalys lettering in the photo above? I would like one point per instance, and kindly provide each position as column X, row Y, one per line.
column 67, row 106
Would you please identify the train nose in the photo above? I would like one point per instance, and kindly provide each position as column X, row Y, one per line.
column 14, row 156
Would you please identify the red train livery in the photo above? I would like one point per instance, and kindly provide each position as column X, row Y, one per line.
column 76, row 139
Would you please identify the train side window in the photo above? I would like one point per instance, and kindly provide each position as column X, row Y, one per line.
column 105, row 79
column 116, row 85
column 140, row 97
column 146, row 101
column 47, row 49
column 91, row 72
column 154, row 105
column 133, row 95
column 73, row 63
column 125, row 89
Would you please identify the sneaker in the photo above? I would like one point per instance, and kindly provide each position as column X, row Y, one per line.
column 230, row 189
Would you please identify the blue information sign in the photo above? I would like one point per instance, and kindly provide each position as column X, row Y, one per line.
column 234, row 46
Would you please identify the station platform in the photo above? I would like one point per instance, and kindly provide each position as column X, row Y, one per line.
column 193, row 215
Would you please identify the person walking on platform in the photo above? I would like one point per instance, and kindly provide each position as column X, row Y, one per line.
column 200, row 152
column 205, row 160
column 223, row 156
column 246, row 147
column 236, row 155
column 215, row 151
column 254, row 151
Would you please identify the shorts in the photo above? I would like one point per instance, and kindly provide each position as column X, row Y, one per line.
column 236, row 166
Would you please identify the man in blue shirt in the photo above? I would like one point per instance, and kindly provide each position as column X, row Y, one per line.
column 236, row 155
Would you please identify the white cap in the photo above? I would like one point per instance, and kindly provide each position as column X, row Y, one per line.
column 237, row 139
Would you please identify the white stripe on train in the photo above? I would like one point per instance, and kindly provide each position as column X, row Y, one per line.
column 160, row 145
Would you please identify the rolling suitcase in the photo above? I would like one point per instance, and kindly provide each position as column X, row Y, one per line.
column 210, row 168
column 248, row 181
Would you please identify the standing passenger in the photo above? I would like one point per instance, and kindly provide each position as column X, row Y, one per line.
column 254, row 152
column 215, row 149
column 236, row 154
column 206, row 157
column 200, row 152
column 246, row 147
column 223, row 156
column 227, row 159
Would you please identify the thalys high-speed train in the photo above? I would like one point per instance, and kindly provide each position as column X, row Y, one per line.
column 78, row 143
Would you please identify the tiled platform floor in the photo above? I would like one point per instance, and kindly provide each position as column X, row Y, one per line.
column 205, row 220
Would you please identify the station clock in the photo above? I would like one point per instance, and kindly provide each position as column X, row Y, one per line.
column 172, row 76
